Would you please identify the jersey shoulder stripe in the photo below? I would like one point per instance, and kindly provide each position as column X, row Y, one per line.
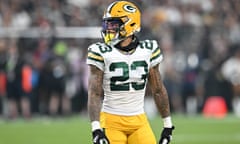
column 155, row 54
column 95, row 56
column 94, row 53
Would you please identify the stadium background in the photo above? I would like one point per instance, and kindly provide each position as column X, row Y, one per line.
column 197, row 38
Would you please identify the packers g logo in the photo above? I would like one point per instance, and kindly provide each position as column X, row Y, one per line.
column 129, row 8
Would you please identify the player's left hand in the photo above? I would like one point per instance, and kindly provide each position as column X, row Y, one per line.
column 166, row 135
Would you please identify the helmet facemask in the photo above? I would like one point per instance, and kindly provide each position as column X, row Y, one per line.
column 112, row 31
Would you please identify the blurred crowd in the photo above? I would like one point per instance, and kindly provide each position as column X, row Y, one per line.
column 47, row 75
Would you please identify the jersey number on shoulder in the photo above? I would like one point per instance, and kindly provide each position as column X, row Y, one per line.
column 120, row 82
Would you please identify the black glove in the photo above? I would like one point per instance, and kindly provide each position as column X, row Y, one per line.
column 166, row 135
column 99, row 137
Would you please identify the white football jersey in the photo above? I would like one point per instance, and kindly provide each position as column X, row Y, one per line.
column 125, row 76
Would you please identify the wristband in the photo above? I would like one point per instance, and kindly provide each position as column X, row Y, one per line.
column 167, row 122
column 95, row 125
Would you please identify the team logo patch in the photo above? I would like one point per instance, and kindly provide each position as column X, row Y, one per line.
column 129, row 8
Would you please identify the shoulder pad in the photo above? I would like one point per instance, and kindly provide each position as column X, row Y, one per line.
column 99, row 48
column 149, row 44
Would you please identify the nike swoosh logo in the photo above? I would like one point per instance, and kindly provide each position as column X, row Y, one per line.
column 95, row 139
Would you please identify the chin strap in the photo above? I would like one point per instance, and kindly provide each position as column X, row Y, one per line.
column 130, row 47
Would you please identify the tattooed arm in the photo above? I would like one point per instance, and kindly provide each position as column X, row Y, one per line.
column 159, row 92
column 160, row 95
column 95, row 92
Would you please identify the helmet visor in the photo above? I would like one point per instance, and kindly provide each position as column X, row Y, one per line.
column 111, row 25
column 111, row 29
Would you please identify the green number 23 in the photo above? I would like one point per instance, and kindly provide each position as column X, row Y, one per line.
column 119, row 83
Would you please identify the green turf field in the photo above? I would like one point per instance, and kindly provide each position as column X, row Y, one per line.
column 76, row 130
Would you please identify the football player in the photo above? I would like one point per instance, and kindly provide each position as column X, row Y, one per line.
column 120, row 69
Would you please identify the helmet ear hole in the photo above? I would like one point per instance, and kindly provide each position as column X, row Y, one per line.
column 132, row 24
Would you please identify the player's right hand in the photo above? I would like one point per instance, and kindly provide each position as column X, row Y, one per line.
column 99, row 137
column 166, row 135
